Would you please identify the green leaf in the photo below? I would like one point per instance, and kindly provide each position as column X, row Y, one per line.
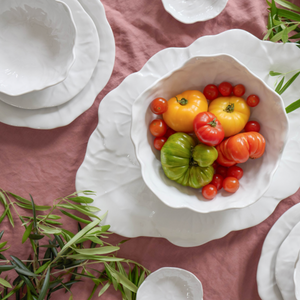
column 81, row 199
column 29, row 296
column 288, row 14
column 295, row 36
column 6, row 268
column 285, row 36
column 19, row 263
column 75, row 217
column 42, row 268
column 279, row 85
column 24, row 272
column 4, row 213
column 100, row 250
column 78, row 208
column 279, row 35
column 2, row 244
column 54, row 217
column 272, row 73
column 21, row 199
column 53, row 222
column 95, row 257
column 13, row 291
column 121, row 278
column 1, row 234
column 45, row 286
column 5, row 283
column 289, row 82
column 59, row 241
column 104, row 289
column 288, row 5
column 37, row 207
column 36, row 236
column 2, row 250
column 142, row 278
column 27, row 233
column 50, row 230
column 79, row 235
column 29, row 284
column 293, row 106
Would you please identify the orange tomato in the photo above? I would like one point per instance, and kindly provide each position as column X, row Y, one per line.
column 182, row 110
column 232, row 112
column 239, row 148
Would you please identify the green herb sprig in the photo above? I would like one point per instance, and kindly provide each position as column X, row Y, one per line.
column 67, row 257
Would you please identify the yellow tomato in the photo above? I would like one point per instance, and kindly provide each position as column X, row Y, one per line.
column 232, row 112
column 182, row 110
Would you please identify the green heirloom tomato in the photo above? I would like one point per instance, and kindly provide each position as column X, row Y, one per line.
column 187, row 163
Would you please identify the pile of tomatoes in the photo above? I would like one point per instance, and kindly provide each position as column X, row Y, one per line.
column 217, row 117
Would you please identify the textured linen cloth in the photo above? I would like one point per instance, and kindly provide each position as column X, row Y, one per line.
column 44, row 162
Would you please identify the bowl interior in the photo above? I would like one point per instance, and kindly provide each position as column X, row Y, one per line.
column 37, row 41
column 196, row 74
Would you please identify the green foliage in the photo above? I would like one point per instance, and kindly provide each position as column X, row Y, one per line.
column 67, row 253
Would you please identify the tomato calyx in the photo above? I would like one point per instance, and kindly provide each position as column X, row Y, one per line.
column 229, row 108
column 182, row 101
column 213, row 123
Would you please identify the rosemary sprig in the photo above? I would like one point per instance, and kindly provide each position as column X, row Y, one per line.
column 67, row 254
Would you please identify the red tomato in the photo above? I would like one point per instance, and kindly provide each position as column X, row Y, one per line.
column 208, row 129
column 235, row 171
column 217, row 181
column 225, row 88
column 239, row 90
column 209, row 191
column 158, row 128
column 252, row 100
column 170, row 131
column 159, row 106
column 215, row 165
column 159, row 142
column 222, row 171
column 211, row 92
column 231, row 184
column 252, row 126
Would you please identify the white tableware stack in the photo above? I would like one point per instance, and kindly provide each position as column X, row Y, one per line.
column 51, row 63
column 278, row 274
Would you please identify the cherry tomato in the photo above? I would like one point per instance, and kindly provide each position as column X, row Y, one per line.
column 211, row 92
column 239, row 90
column 235, row 172
column 252, row 126
column 252, row 100
column 208, row 129
column 169, row 132
column 225, row 88
column 158, row 128
column 209, row 191
column 231, row 184
column 217, row 181
column 222, row 171
column 159, row 142
column 159, row 106
column 215, row 165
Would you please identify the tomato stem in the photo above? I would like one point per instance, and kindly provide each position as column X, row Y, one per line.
column 213, row 123
column 182, row 101
column 229, row 108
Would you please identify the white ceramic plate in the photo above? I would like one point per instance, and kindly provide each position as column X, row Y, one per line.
column 37, row 40
column 285, row 263
column 170, row 284
column 195, row 74
column 191, row 11
column 87, row 49
column 297, row 277
column 52, row 117
column 266, row 280
column 111, row 169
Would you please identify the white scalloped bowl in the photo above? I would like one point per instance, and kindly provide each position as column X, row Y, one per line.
column 192, row 11
column 37, row 39
column 196, row 73
column 170, row 283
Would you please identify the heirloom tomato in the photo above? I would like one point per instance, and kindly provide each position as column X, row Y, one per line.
column 208, row 129
column 232, row 112
column 187, row 163
column 182, row 110
column 239, row 148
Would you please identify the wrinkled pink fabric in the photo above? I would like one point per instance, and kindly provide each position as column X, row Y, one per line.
column 44, row 162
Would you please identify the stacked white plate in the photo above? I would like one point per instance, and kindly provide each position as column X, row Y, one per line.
column 278, row 274
column 111, row 168
column 60, row 104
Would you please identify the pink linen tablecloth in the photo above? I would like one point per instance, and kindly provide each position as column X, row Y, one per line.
column 44, row 162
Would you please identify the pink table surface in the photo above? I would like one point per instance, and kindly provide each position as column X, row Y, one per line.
column 44, row 162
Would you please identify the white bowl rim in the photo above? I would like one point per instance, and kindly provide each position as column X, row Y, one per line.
column 232, row 206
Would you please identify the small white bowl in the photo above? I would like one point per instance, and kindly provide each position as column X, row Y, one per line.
column 192, row 11
column 196, row 73
column 37, row 39
column 170, row 283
